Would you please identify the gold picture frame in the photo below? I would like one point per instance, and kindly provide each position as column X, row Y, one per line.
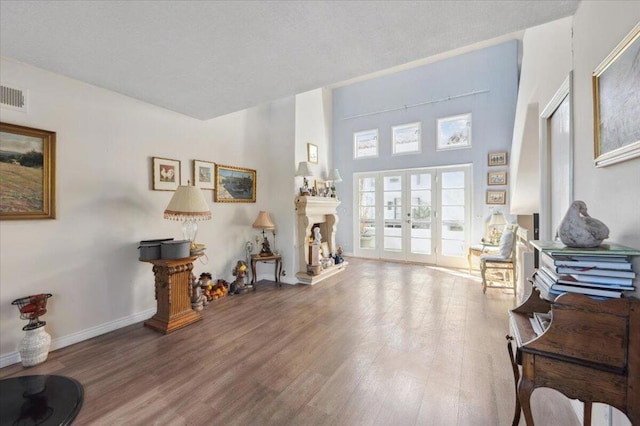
column 312, row 153
column 614, row 106
column 498, row 158
column 166, row 174
column 27, row 173
column 497, row 178
column 204, row 174
column 497, row 197
column 321, row 187
column 234, row 185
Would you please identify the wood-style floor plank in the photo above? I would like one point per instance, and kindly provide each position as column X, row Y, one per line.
column 381, row 343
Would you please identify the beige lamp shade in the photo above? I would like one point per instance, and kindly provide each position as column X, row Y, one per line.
column 334, row 176
column 497, row 219
column 263, row 221
column 187, row 203
column 303, row 169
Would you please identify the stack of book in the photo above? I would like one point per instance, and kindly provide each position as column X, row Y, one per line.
column 603, row 272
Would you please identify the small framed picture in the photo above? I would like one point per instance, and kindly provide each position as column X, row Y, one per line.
column 496, row 197
column 166, row 174
column 406, row 139
column 365, row 144
column 321, row 187
column 497, row 178
column 497, row 158
column 203, row 174
column 454, row 132
column 312, row 153
column 234, row 185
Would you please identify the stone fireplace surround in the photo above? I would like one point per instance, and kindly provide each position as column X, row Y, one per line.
column 321, row 211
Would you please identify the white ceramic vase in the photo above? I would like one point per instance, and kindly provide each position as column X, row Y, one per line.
column 34, row 347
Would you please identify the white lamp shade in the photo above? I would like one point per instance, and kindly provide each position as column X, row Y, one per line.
column 263, row 221
column 334, row 176
column 497, row 219
column 187, row 203
column 303, row 169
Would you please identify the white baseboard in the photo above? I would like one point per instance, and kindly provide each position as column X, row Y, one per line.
column 64, row 341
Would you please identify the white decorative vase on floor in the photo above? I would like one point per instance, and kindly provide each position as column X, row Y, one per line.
column 34, row 347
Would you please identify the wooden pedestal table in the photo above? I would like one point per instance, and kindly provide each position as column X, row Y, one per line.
column 276, row 258
column 173, row 295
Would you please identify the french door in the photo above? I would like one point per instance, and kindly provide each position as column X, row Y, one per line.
column 418, row 215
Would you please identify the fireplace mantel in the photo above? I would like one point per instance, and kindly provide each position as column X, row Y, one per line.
column 310, row 211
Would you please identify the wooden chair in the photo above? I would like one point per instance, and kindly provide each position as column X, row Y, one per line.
column 499, row 270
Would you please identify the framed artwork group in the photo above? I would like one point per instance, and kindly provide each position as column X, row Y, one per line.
column 496, row 178
column 230, row 184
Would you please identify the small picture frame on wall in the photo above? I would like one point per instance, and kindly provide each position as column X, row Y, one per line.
column 497, row 178
column 454, row 132
column 203, row 174
column 312, row 153
column 166, row 174
column 365, row 144
column 498, row 158
column 496, row 197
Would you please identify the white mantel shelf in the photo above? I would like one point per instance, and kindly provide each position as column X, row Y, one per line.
column 316, row 210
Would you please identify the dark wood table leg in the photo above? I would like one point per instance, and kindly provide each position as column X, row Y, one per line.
column 587, row 414
column 516, row 378
column 253, row 273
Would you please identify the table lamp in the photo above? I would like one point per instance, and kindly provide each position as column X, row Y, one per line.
column 263, row 221
column 496, row 226
column 304, row 171
column 188, row 204
column 334, row 177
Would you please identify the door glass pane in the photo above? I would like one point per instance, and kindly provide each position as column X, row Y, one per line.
column 392, row 196
column 453, row 213
column 421, row 213
column 367, row 212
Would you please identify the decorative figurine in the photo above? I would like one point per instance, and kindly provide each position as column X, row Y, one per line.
column 317, row 237
column 578, row 229
column 240, row 272
column 266, row 248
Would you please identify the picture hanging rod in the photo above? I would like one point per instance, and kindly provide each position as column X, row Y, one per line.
column 448, row 98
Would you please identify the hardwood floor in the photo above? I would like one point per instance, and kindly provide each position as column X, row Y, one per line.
column 381, row 343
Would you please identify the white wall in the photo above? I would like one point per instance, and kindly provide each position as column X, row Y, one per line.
column 547, row 53
column 313, row 125
column 87, row 257
column 611, row 193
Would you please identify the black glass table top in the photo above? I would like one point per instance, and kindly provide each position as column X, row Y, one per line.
column 39, row 400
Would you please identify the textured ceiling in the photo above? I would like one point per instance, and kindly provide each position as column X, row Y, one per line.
column 205, row 58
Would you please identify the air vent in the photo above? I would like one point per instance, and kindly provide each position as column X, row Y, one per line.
column 12, row 97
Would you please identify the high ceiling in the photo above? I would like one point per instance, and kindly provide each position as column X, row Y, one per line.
column 209, row 58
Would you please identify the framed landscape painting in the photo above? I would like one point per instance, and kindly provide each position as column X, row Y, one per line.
column 616, row 104
column 365, row 144
column 166, row 174
column 27, row 173
column 234, row 185
column 203, row 172
column 406, row 139
column 454, row 132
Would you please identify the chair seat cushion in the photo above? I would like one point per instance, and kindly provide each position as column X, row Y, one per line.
column 494, row 258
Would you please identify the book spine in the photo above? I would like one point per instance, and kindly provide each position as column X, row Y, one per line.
column 595, row 271
column 621, row 266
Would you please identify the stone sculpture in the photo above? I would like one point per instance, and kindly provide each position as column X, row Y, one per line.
column 580, row 230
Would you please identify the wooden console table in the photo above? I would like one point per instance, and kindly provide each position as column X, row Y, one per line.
column 590, row 351
column 173, row 295
column 276, row 258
